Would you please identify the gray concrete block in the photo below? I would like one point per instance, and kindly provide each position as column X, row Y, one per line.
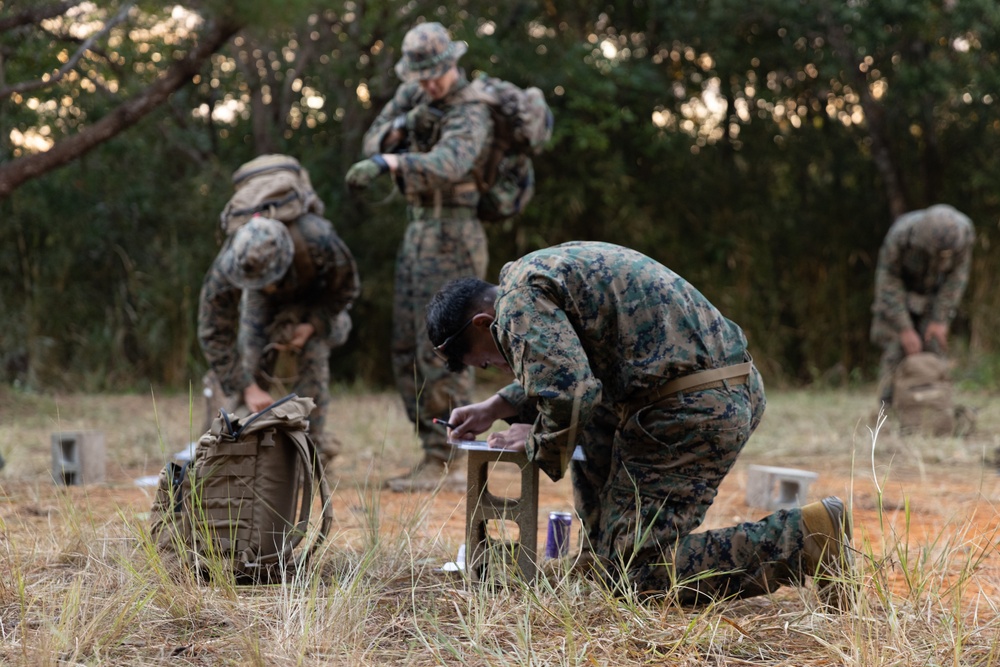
column 78, row 457
column 774, row 488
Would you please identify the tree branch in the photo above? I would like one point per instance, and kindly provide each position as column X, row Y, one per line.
column 27, row 86
column 37, row 14
column 128, row 113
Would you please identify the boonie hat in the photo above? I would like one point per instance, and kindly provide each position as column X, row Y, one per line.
column 428, row 52
column 259, row 253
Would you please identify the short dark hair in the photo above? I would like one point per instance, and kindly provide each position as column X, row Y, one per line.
column 449, row 310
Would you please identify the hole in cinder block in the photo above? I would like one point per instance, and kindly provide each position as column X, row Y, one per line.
column 789, row 491
column 504, row 480
column 69, row 478
column 503, row 530
column 68, row 448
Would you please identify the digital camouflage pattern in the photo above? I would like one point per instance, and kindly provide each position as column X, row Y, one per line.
column 259, row 253
column 237, row 330
column 444, row 240
column 589, row 329
column 923, row 268
column 437, row 166
column 586, row 322
column 428, row 52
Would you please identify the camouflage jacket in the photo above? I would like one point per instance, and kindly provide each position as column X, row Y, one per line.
column 234, row 336
column 923, row 268
column 441, row 156
column 584, row 322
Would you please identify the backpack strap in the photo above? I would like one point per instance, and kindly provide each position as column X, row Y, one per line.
column 312, row 470
column 311, row 461
column 305, row 268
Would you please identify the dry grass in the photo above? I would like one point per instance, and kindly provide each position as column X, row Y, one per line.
column 80, row 582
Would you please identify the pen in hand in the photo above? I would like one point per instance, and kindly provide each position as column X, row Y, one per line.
column 442, row 422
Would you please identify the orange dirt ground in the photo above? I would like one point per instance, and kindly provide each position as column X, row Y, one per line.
column 954, row 514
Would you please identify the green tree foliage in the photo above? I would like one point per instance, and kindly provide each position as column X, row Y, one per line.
column 759, row 149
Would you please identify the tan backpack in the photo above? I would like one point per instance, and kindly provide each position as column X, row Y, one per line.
column 922, row 395
column 522, row 126
column 273, row 185
column 243, row 503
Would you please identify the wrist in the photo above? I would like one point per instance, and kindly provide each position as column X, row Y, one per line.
column 381, row 162
column 500, row 407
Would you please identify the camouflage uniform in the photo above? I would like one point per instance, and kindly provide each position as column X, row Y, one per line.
column 923, row 268
column 447, row 140
column 266, row 316
column 591, row 327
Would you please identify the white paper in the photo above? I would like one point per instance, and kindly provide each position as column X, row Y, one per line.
column 482, row 446
column 474, row 445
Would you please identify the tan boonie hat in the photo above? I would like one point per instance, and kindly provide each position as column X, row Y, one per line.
column 428, row 52
column 259, row 253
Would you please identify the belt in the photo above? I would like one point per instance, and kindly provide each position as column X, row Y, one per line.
column 416, row 212
column 712, row 378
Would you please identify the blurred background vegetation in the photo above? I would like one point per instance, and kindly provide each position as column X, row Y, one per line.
column 759, row 149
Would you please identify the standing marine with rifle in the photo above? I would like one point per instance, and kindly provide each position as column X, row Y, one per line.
column 432, row 139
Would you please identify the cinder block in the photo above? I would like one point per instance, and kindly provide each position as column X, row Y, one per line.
column 481, row 506
column 78, row 457
column 773, row 488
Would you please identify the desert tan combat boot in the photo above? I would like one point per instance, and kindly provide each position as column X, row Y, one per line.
column 827, row 550
column 431, row 474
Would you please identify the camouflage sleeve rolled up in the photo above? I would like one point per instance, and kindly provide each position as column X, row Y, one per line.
column 406, row 97
column 218, row 318
column 466, row 130
column 552, row 367
column 514, row 394
column 582, row 323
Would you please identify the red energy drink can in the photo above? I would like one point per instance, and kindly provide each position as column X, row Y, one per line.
column 557, row 539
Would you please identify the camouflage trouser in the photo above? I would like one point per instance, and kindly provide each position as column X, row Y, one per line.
column 306, row 374
column 433, row 252
column 654, row 485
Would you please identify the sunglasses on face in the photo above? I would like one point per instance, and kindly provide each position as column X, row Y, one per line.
column 439, row 350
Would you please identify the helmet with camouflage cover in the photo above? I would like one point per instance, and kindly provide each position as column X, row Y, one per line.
column 428, row 52
column 259, row 253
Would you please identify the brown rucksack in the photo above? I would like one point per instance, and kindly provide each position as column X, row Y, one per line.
column 243, row 503
column 522, row 126
column 273, row 185
column 922, row 395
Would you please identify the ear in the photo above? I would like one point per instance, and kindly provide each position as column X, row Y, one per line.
column 482, row 320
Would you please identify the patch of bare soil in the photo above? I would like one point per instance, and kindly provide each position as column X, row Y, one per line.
column 939, row 511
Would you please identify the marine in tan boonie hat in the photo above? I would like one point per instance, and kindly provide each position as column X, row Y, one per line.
column 428, row 52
